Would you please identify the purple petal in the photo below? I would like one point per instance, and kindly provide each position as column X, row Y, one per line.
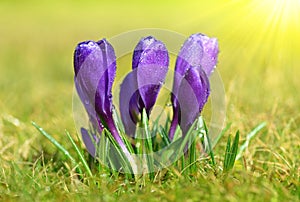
column 87, row 56
column 140, row 88
column 129, row 103
column 210, row 53
column 88, row 142
column 143, row 44
column 94, row 119
column 198, row 50
column 95, row 69
column 192, row 95
column 82, row 51
column 103, row 97
column 151, row 61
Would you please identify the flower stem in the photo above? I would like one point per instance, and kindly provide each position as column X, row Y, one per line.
column 114, row 131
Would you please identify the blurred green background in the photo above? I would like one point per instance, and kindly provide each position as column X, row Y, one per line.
column 258, row 61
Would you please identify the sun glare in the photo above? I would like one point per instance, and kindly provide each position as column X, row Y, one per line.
column 282, row 12
column 277, row 24
column 268, row 30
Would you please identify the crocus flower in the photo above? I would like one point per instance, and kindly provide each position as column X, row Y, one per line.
column 95, row 69
column 140, row 88
column 86, row 52
column 198, row 51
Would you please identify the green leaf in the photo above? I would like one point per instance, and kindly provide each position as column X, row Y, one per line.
column 123, row 158
column 250, row 136
column 102, row 149
column 164, row 136
column 231, row 152
column 227, row 153
column 222, row 133
column 148, row 145
column 192, row 156
column 57, row 145
column 234, row 149
column 208, row 146
column 81, row 158
column 184, row 140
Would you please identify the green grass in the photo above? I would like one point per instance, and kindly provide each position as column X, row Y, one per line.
column 259, row 64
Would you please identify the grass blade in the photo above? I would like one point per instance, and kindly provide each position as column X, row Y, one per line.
column 102, row 149
column 234, row 149
column 250, row 136
column 192, row 156
column 123, row 159
column 81, row 158
column 185, row 140
column 148, row 145
column 57, row 145
column 227, row 153
column 208, row 144
column 164, row 136
column 221, row 134
column 231, row 152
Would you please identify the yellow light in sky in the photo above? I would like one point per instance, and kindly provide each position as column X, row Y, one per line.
column 265, row 32
column 283, row 12
column 278, row 24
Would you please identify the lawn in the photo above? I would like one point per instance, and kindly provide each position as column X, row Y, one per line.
column 258, row 62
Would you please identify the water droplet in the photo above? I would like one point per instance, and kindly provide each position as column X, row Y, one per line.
column 169, row 104
column 161, row 83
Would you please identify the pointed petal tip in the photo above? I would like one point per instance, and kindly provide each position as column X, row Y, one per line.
column 198, row 50
column 210, row 50
column 150, row 50
column 103, row 43
column 82, row 51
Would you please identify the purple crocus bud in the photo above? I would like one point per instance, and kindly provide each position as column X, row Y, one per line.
column 86, row 52
column 95, row 70
column 151, row 61
column 193, row 93
column 197, row 50
column 150, row 66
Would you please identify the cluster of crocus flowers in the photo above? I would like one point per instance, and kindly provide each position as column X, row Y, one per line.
column 95, row 70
